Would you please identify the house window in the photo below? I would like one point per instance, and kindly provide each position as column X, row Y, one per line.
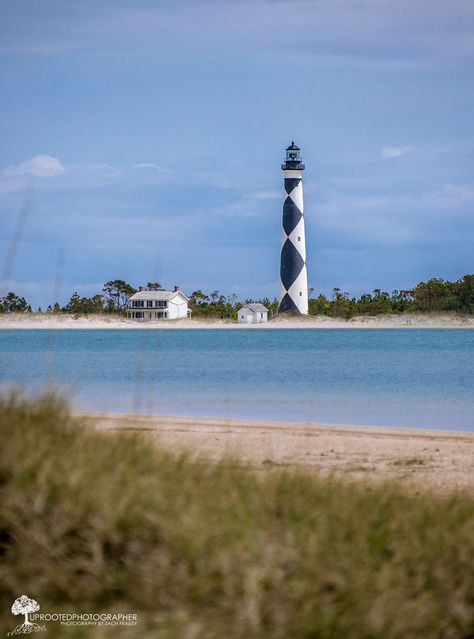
column 149, row 304
column 301, row 294
column 299, row 238
column 161, row 303
column 261, row 315
column 138, row 304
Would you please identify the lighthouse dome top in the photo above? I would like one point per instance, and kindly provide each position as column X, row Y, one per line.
column 293, row 159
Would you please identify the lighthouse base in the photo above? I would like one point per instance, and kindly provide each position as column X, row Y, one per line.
column 294, row 299
column 288, row 306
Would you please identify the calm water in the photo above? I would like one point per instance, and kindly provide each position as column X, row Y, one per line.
column 421, row 378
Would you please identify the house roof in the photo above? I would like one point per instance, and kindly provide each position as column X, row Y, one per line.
column 156, row 295
column 255, row 308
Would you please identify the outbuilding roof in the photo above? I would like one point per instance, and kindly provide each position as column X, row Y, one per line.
column 255, row 308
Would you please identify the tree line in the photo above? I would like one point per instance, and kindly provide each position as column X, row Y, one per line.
column 434, row 295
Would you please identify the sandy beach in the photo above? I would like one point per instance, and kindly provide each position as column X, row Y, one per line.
column 62, row 321
column 427, row 459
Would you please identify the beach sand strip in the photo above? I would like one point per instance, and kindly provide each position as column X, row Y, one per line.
column 439, row 460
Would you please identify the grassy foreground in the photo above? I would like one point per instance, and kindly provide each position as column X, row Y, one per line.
column 94, row 522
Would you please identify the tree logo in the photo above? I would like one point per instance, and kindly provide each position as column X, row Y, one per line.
column 24, row 606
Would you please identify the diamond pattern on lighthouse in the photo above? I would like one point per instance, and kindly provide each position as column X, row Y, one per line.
column 293, row 277
column 291, row 183
column 291, row 264
column 291, row 215
column 287, row 305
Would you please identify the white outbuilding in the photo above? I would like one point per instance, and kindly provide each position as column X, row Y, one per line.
column 158, row 305
column 252, row 314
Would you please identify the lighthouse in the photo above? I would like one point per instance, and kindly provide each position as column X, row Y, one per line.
column 293, row 276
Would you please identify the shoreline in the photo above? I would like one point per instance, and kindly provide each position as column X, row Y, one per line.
column 440, row 460
column 50, row 321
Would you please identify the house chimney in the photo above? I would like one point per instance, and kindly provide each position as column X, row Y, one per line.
column 176, row 289
column 141, row 289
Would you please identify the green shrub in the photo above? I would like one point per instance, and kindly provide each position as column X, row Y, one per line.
column 96, row 521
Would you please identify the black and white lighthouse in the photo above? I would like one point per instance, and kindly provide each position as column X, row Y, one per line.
column 293, row 276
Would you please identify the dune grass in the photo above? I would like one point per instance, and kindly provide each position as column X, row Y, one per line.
column 93, row 521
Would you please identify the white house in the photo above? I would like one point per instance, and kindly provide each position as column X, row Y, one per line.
column 155, row 305
column 252, row 314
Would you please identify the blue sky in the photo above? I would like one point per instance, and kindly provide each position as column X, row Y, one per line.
column 145, row 140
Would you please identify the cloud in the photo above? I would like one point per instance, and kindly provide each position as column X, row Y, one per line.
column 389, row 152
column 150, row 165
column 401, row 219
column 329, row 32
column 80, row 175
column 39, row 165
